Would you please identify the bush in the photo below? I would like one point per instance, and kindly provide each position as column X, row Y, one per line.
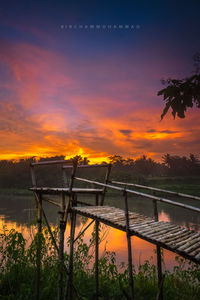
column 18, row 272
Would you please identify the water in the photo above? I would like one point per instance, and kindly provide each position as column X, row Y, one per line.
column 18, row 212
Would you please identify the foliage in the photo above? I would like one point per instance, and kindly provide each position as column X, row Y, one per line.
column 16, row 174
column 18, row 269
column 181, row 165
column 181, row 94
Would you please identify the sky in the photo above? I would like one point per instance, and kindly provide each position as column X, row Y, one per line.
column 81, row 78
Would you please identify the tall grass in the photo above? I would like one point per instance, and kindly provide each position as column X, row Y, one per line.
column 18, row 272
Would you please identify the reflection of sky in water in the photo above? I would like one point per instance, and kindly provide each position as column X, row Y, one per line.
column 113, row 240
column 18, row 213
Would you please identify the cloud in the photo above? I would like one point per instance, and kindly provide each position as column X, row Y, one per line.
column 126, row 132
column 51, row 106
column 162, row 131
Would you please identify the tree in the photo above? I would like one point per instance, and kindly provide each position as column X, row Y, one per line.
column 116, row 160
column 181, row 94
column 80, row 160
column 181, row 166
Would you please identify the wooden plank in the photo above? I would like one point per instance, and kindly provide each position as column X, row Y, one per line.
column 150, row 230
column 174, row 235
column 195, row 252
column 183, row 240
column 144, row 227
column 197, row 256
column 173, row 242
column 162, row 231
column 193, row 247
column 138, row 222
column 189, row 242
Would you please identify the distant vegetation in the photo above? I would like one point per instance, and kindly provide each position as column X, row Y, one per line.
column 16, row 174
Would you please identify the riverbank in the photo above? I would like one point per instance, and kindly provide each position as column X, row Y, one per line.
column 183, row 184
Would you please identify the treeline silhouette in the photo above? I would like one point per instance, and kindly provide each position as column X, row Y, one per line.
column 16, row 174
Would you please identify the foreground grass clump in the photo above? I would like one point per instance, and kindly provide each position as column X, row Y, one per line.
column 18, row 273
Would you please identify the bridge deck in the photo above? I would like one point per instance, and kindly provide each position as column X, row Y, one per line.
column 172, row 237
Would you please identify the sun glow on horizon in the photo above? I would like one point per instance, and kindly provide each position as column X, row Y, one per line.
column 37, row 155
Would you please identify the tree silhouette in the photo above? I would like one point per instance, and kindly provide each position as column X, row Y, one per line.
column 178, row 165
column 181, row 94
column 116, row 160
column 80, row 160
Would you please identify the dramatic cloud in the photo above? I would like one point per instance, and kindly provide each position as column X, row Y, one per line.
column 51, row 105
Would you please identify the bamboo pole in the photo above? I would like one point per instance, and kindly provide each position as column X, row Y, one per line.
column 88, row 166
column 157, row 190
column 65, row 180
column 38, row 254
column 61, row 248
column 51, row 201
column 33, row 178
column 56, row 247
column 130, row 264
column 106, row 182
column 186, row 206
column 69, row 290
column 84, row 230
column 97, row 259
column 49, row 162
column 97, row 253
column 159, row 258
column 71, row 202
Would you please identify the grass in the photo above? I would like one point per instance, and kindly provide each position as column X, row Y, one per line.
column 184, row 184
column 15, row 192
column 188, row 185
column 18, row 272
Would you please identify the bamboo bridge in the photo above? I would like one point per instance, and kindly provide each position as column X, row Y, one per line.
column 166, row 235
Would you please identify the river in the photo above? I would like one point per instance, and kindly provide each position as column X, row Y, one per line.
column 18, row 212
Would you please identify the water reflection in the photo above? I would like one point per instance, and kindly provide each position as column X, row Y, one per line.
column 18, row 212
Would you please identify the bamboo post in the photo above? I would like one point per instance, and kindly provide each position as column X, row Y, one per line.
column 71, row 183
column 38, row 254
column 33, row 178
column 130, row 265
column 61, row 248
column 65, row 180
column 106, row 182
column 72, row 201
column 97, row 253
column 69, row 289
column 69, row 293
column 159, row 259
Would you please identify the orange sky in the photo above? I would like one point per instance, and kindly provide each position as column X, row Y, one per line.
column 51, row 105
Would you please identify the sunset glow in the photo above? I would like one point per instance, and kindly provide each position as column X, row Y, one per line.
column 92, row 93
column 114, row 241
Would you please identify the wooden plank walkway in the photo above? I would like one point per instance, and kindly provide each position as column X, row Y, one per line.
column 172, row 237
column 165, row 235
